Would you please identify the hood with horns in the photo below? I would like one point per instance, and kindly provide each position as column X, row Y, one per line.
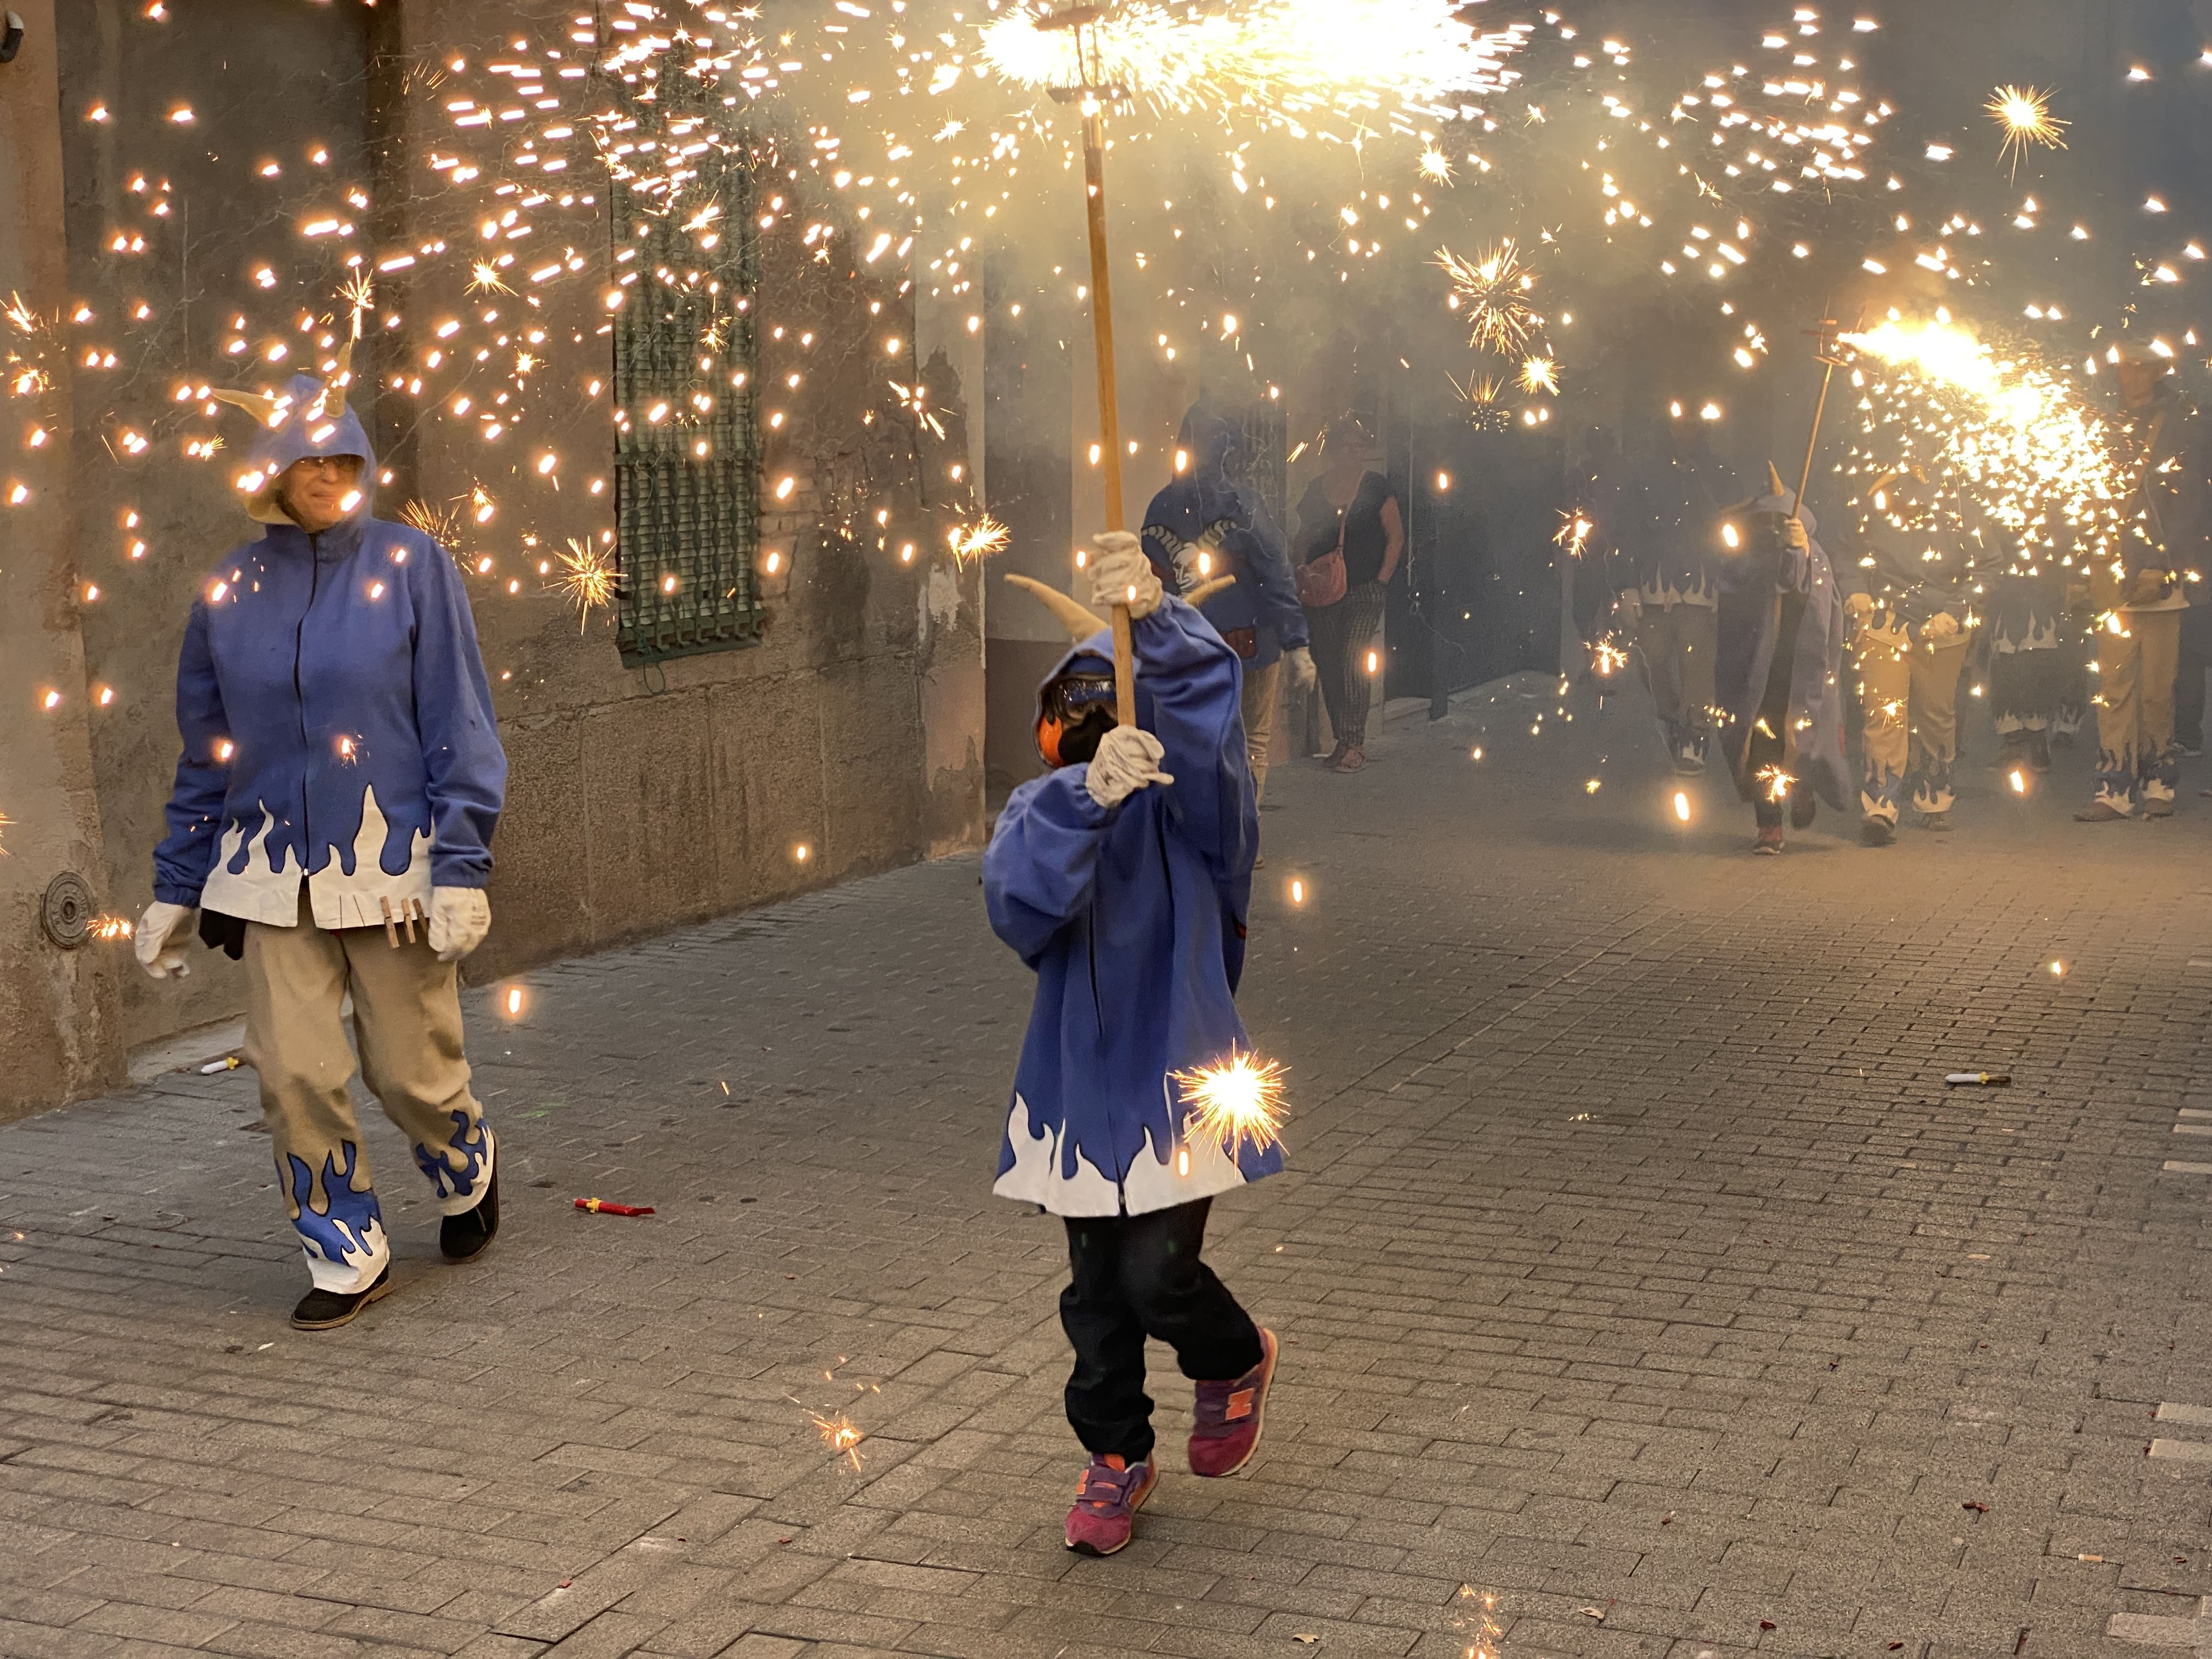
column 308, row 418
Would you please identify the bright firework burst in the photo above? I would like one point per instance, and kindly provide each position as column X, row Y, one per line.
column 2024, row 114
column 979, row 540
column 1493, row 288
column 587, row 578
column 1540, row 374
column 1240, row 1099
column 1290, row 63
column 1485, row 397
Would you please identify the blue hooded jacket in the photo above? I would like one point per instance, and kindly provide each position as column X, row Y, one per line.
column 1133, row 919
column 1205, row 513
column 336, row 718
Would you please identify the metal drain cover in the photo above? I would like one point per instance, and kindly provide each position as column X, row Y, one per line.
column 69, row 910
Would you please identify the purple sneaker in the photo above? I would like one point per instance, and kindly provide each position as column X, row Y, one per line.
column 1106, row 1503
column 1225, row 1419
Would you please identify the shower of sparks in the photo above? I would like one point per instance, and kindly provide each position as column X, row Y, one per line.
column 1291, row 64
column 1574, row 533
column 1494, row 289
column 1777, row 782
column 587, row 578
column 113, row 927
column 1241, row 1099
column 2024, row 114
column 1436, row 166
column 442, row 524
column 977, row 541
column 1608, row 658
column 1540, row 374
column 840, row 1435
column 485, row 279
column 2025, row 446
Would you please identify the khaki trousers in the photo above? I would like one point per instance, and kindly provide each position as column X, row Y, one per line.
column 1678, row 646
column 2134, row 707
column 407, row 1019
column 1260, row 688
column 1909, row 692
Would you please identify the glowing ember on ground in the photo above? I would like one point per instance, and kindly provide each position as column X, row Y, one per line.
column 840, row 1435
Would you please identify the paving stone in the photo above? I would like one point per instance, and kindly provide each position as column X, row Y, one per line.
column 1632, row 1255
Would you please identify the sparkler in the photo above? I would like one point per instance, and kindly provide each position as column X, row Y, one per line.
column 1239, row 1099
column 2024, row 114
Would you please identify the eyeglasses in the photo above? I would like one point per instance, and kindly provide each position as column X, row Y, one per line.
column 336, row 466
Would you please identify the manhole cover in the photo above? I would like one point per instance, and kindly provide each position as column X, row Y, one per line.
column 68, row 911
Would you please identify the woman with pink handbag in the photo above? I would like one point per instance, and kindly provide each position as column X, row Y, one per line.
column 1351, row 536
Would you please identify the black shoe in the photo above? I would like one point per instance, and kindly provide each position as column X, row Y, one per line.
column 2193, row 750
column 1939, row 822
column 462, row 1237
column 1803, row 804
column 1877, row 832
column 325, row 1310
column 2039, row 751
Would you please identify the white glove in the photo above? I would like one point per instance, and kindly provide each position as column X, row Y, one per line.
column 1300, row 662
column 459, row 919
column 1128, row 759
column 1632, row 603
column 1859, row 604
column 1121, row 574
column 1941, row 626
column 151, row 940
column 1794, row 536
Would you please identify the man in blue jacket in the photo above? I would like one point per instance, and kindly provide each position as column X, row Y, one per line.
column 1203, row 526
column 331, row 822
column 1122, row 878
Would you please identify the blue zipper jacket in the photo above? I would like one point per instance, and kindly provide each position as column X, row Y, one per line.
column 336, row 718
column 1133, row 919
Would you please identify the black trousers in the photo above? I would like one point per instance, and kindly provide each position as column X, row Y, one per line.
column 1132, row 1277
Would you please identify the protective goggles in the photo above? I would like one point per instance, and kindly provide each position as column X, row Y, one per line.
column 1076, row 711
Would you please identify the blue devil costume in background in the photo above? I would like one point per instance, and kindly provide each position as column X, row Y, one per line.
column 340, row 762
column 1206, row 513
column 1133, row 919
column 1780, row 660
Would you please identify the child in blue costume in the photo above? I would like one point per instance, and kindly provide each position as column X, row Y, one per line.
column 1123, row 877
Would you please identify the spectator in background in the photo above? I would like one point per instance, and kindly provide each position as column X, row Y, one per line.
column 1669, row 591
column 1202, row 527
column 1351, row 536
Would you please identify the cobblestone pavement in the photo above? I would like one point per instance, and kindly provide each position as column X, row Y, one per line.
column 1635, row 1268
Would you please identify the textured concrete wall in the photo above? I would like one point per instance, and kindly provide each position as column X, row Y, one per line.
column 57, row 1022
column 637, row 801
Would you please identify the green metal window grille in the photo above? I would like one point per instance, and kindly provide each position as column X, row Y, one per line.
column 687, row 459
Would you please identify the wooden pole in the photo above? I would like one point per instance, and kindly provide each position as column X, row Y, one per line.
column 1109, row 421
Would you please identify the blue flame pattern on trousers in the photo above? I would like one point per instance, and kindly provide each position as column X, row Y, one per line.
column 344, row 1240
column 473, row 1153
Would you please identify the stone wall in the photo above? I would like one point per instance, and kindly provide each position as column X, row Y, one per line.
column 849, row 739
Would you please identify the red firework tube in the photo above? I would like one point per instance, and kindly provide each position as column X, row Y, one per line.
column 601, row 1207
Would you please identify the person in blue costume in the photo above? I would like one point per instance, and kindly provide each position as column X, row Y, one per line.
column 1202, row 527
column 1779, row 673
column 331, row 825
column 1122, row 876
